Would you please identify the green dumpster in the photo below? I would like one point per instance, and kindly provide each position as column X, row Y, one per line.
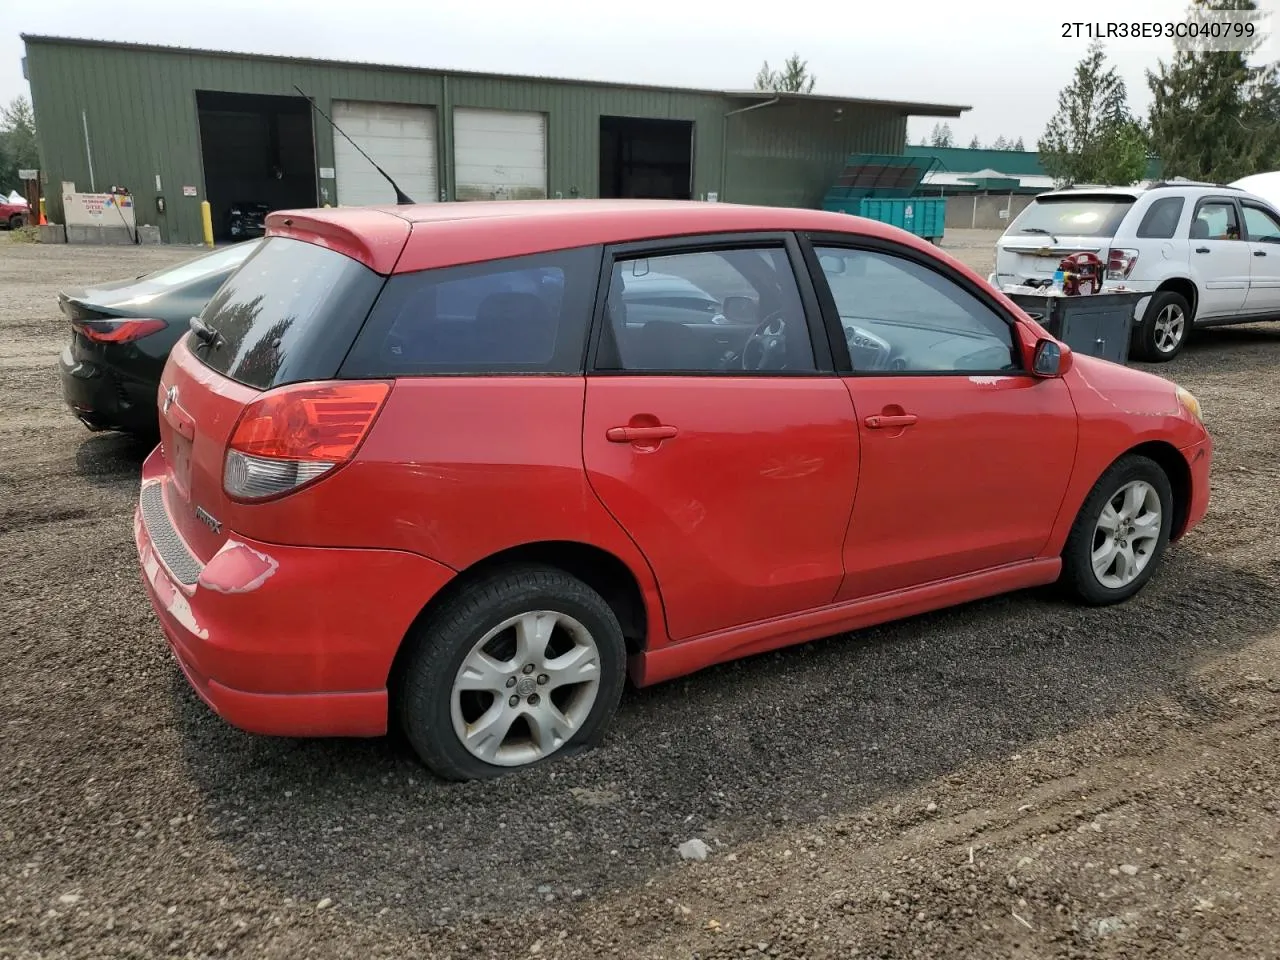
column 883, row 187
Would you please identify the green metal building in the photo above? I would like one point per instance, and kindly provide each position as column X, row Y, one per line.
column 177, row 126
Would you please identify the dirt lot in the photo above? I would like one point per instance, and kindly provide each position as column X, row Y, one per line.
column 1017, row 778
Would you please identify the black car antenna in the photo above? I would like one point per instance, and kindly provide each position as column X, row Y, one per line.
column 402, row 198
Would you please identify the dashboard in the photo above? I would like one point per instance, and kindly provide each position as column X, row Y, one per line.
column 894, row 347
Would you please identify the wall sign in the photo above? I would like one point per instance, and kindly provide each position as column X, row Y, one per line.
column 326, row 173
column 188, row 191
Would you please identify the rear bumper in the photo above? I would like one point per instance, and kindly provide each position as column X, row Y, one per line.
column 1199, row 458
column 286, row 641
column 103, row 400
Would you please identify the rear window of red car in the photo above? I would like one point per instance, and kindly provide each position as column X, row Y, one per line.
column 290, row 313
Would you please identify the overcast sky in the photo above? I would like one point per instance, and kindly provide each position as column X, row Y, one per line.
column 1007, row 59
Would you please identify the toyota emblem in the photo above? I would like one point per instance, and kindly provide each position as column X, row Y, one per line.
column 170, row 395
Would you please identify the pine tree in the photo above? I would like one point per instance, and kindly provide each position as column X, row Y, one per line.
column 941, row 136
column 1019, row 146
column 794, row 77
column 1093, row 137
column 975, row 144
column 1000, row 144
column 1213, row 117
column 17, row 142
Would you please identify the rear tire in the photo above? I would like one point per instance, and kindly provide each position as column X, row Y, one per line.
column 17, row 222
column 519, row 667
column 1120, row 535
column 1165, row 327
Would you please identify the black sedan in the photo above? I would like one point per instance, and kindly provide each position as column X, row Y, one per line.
column 121, row 335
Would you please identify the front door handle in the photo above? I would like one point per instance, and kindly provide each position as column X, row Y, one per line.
column 886, row 422
column 1259, row 253
column 640, row 434
column 1202, row 249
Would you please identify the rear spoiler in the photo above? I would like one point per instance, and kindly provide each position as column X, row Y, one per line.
column 372, row 237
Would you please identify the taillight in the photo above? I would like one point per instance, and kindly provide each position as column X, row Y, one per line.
column 293, row 435
column 123, row 330
column 1120, row 263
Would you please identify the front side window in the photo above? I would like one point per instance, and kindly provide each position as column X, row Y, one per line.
column 520, row 315
column 735, row 311
column 900, row 316
column 1216, row 220
column 1261, row 224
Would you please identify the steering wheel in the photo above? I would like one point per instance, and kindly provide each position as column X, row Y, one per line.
column 767, row 341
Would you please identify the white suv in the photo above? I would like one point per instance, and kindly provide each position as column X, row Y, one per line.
column 1205, row 254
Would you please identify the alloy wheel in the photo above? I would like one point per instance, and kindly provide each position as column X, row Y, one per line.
column 1170, row 327
column 1126, row 534
column 525, row 688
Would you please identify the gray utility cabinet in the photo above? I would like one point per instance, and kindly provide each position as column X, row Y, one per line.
column 1098, row 325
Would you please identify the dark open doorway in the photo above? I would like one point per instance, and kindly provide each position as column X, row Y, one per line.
column 259, row 153
column 645, row 158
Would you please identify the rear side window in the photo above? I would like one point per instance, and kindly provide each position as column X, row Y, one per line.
column 1082, row 215
column 519, row 315
column 288, row 314
column 1160, row 222
column 228, row 258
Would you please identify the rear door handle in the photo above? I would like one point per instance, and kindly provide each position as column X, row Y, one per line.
column 640, row 434
column 1202, row 249
column 884, row 421
column 1259, row 253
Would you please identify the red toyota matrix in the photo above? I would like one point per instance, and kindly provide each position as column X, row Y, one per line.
column 463, row 467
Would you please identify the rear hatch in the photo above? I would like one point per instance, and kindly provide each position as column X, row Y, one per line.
column 1054, row 226
column 288, row 316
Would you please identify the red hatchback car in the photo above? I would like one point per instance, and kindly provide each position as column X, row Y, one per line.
column 462, row 467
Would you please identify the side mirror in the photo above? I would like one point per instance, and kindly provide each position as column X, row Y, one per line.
column 1051, row 359
column 832, row 266
column 740, row 310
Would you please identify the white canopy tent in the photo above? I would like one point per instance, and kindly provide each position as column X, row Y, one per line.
column 1264, row 185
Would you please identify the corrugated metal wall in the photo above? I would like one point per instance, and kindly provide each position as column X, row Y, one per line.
column 789, row 154
column 140, row 109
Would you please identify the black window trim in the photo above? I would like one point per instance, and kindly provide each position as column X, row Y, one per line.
column 1233, row 202
column 1244, row 222
column 809, row 243
column 712, row 243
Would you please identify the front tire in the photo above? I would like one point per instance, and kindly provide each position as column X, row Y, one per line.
column 521, row 666
column 1120, row 535
column 1165, row 327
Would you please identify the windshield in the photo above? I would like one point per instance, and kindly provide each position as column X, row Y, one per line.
column 289, row 313
column 226, row 259
column 1096, row 215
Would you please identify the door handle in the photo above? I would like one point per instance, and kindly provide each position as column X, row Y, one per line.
column 1202, row 249
column 1259, row 253
column 640, row 434
column 885, row 421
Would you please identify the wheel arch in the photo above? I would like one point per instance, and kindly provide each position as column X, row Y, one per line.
column 1169, row 459
column 601, row 570
column 1186, row 288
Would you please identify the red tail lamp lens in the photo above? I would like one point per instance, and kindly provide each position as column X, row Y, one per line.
column 118, row 331
column 309, row 422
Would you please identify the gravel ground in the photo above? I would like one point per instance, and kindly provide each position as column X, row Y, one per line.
column 1014, row 778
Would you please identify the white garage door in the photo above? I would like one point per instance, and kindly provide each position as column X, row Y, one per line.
column 400, row 138
column 500, row 155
